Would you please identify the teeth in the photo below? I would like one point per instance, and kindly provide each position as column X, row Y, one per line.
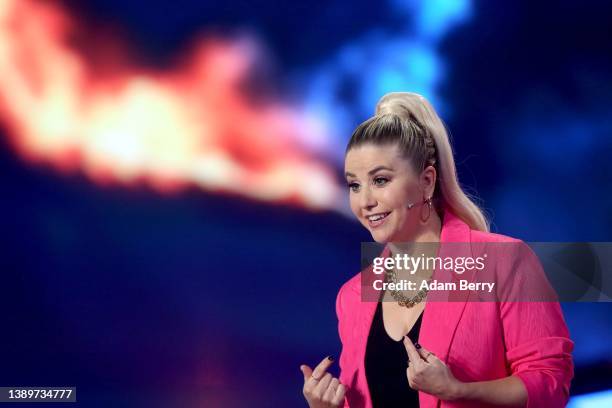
column 378, row 217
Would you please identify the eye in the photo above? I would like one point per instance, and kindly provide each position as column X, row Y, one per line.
column 354, row 187
column 380, row 181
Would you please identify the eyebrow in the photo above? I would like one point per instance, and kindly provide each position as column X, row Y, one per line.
column 374, row 170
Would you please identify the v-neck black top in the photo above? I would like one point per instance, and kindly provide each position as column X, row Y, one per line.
column 386, row 361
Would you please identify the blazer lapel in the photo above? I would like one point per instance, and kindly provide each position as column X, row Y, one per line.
column 444, row 308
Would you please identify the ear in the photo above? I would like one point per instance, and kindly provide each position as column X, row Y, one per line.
column 427, row 181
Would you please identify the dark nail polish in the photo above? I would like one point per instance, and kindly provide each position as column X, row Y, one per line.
column 330, row 358
column 417, row 346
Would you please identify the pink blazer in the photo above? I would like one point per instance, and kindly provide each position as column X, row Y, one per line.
column 479, row 341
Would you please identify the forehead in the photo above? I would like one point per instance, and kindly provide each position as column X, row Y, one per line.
column 365, row 157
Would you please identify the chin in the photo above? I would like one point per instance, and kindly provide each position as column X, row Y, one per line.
column 380, row 238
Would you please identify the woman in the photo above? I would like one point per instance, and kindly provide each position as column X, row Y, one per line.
column 403, row 188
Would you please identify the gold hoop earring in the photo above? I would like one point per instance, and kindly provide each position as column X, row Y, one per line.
column 426, row 202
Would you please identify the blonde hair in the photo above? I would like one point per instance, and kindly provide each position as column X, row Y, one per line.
column 409, row 120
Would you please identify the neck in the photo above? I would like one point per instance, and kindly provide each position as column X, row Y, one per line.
column 428, row 232
column 424, row 242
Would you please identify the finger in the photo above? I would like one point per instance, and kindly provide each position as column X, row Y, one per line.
column 410, row 376
column 330, row 392
column 322, row 367
column 323, row 384
column 413, row 354
column 334, row 384
column 307, row 371
column 424, row 353
column 410, row 367
column 339, row 397
column 433, row 359
column 411, row 371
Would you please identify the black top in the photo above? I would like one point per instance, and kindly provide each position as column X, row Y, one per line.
column 386, row 361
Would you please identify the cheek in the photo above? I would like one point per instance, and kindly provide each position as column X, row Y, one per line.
column 394, row 198
column 398, row 199
column 354, row 205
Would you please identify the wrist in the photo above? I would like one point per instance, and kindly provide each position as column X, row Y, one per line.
column 459, row 390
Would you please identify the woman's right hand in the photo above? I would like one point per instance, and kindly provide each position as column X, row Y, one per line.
column 320, row 388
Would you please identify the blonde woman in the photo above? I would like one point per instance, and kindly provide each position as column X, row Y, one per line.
column 410, row 352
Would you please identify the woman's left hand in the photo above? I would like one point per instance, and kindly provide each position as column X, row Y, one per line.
column 427, row 373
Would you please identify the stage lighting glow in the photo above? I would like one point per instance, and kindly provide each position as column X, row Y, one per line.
column 188, row 125
column 593, row 400
column 382, row 60
column 193, row 124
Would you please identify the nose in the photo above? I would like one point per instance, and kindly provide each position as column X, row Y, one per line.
column 367, row 199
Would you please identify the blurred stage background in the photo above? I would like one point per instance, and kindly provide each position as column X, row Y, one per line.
column 174, row 224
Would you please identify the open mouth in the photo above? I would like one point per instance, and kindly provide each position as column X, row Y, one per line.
column 377, row 219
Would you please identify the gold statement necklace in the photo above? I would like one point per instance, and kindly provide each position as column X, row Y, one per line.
column 402, row 299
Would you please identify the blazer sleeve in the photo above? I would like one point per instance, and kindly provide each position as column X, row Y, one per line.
column 538, row 347
column 341, row 332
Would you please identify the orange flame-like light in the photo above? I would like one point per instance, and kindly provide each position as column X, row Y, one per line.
column 188, row 125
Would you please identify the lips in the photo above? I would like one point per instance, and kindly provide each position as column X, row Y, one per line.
column 376, row 220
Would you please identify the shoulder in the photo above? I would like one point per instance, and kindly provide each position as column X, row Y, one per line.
column 504, row 252
column 505, row 247
column 515, row 266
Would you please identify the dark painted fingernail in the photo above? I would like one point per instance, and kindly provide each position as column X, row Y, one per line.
column 330, row 358
column 417, row 346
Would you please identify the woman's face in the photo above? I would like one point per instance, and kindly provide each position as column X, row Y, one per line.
column 382, row 184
